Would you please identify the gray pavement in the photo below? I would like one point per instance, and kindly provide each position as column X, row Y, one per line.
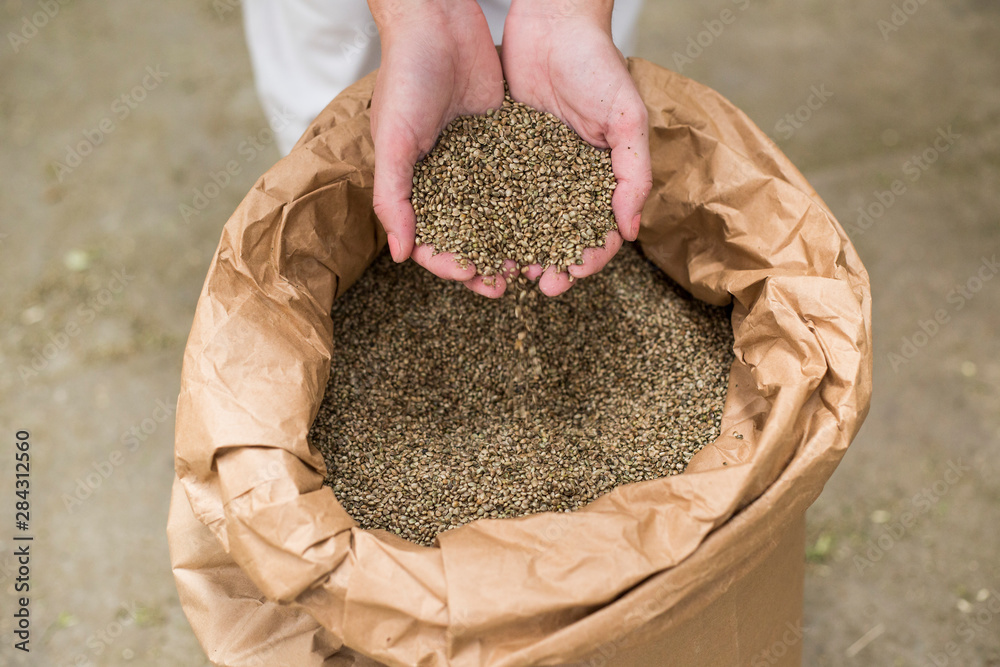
column 891, row 109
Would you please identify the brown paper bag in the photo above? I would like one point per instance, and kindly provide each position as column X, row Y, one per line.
column 272, row 571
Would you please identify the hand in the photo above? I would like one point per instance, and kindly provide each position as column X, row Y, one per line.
column 558, row 56
column 438, row 62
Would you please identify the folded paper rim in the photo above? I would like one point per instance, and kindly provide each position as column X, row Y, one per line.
column 728, row 217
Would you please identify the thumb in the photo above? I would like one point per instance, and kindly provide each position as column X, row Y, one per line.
column 396, row 151
column 628, row 137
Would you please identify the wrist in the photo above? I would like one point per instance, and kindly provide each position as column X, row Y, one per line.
column 596, row 10
column 393, row 15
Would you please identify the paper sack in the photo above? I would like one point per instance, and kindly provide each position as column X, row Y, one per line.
column 703, row 568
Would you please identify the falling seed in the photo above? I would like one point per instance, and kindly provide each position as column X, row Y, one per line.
column 421, row 427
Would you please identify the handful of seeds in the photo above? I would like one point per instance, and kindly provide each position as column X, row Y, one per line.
column 444, row 407
column 516, row 184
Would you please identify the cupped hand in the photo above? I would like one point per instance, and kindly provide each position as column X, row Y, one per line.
column 558, row 56
column 438, row 62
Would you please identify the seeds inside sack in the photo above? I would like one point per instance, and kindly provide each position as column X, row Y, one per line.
column 444, row 407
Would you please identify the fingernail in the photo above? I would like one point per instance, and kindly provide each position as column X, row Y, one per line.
column 394, row 247
column 635, row 226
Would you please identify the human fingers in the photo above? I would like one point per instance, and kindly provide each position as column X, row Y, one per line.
column 492, row 287
column 443, row 265
column 554, row 282
column 595, row 259
column 396, row 151
column 627, row 134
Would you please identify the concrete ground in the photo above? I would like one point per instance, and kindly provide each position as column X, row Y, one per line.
column 890, row 107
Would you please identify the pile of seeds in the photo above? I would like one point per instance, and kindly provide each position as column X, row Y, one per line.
column 514, row 184
column 424, row 425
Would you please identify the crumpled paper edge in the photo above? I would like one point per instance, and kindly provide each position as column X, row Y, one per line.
column 729, row 218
